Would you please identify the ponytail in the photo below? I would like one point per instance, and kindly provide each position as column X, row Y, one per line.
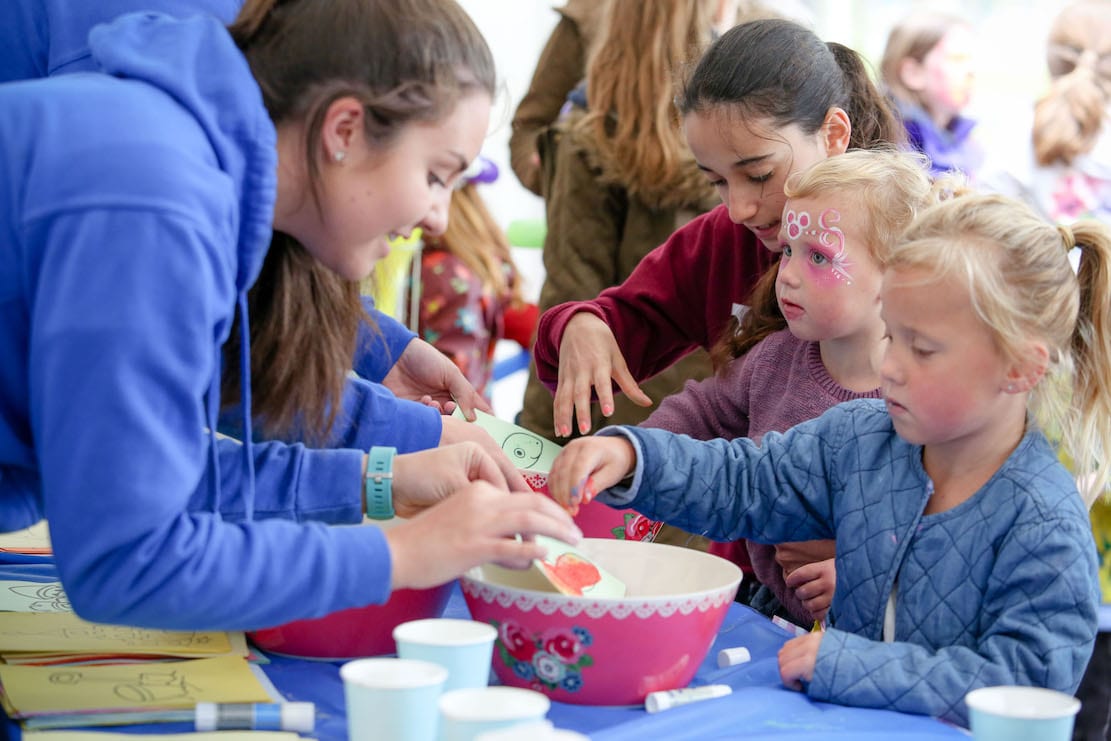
column 874, row 122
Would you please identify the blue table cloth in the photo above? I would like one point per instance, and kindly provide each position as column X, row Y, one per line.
column 758, row 708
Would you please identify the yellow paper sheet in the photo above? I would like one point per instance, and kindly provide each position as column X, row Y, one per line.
column 36, row 690
column 66, row 633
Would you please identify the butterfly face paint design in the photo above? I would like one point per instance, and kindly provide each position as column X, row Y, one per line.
column 830, row 238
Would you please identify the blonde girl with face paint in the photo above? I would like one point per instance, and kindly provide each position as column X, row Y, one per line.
column 839, row 215
column 966, row 555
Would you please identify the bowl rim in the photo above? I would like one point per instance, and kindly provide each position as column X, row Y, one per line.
column 479, row 585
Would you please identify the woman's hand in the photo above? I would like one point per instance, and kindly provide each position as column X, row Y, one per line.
column 586, row 466
column 797, row 659
column 425, row 478
column 814, row 584
column 425, row 374
column 456, row 430
column 590, row 360
column 477, row 524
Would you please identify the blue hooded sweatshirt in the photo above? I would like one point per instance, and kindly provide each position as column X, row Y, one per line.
column 136, row 211
column 40, row 38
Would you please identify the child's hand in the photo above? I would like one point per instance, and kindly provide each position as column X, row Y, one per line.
column 814, row 584
column 586, row 466
column 797, row 658
column 790, row 556
column 478, row 524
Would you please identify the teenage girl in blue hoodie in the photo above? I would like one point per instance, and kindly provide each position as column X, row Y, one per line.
column 138, row 207
column 293, row 294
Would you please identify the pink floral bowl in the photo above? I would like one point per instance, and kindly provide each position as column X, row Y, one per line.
column 592, row 651
column 596, row 520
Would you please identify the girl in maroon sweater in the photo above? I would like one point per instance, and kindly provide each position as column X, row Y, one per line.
column 768, row 98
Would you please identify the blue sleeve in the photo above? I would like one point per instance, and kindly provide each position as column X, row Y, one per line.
column 775, row 492
column 372, row 415
column 380, row 343
column 1037, row 626
column 120, row 371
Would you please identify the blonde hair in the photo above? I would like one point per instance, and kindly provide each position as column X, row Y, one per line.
column 1069, row 118
column 914, row 37
column 891, row 186
column 630, row 90
column 474, row 236
column 1022, row 287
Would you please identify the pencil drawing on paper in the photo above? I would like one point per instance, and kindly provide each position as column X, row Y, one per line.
column 145, row 686
column 523, row 448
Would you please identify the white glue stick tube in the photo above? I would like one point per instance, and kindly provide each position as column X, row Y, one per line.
column 657, row 701
column 286, row 716
column 733, row 656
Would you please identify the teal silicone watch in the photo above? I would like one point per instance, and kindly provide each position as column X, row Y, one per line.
column 378, row 483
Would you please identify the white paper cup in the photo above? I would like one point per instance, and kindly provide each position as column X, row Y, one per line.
column 542, row 730
column 392, row 698
column 463, row 647
column 466, row 714
column 1021, row 714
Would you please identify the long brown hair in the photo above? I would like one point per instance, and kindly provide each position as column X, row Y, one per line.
column 630, row 81
column 406, row 61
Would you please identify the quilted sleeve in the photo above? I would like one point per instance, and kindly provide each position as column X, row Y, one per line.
column 1036, row 625
column 776, row 492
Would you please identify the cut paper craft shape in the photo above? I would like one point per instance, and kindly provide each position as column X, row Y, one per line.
column 33, row 596
column 527, row 450
column 573, row 573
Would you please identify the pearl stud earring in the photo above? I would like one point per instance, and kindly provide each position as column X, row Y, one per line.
column 339, row 156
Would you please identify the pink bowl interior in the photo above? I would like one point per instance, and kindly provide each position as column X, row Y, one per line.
column 357, row 632
column 606, row 651
column 596, row 520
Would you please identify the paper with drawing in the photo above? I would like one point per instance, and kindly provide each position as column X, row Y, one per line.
column 527, row 450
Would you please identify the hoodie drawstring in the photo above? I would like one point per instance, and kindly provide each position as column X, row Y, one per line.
column 245, row 400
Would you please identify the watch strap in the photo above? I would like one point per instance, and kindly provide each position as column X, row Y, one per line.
column 378, row 483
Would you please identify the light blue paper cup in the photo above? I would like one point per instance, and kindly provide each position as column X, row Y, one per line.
column 392, row 698
column 469, row 713
column 463, row 647
column 1021, row 714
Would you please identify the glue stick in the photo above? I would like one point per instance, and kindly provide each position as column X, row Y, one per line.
column 657, row 701
column 286, row 716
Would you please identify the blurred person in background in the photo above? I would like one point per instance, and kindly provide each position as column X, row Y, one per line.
column 927, row 70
